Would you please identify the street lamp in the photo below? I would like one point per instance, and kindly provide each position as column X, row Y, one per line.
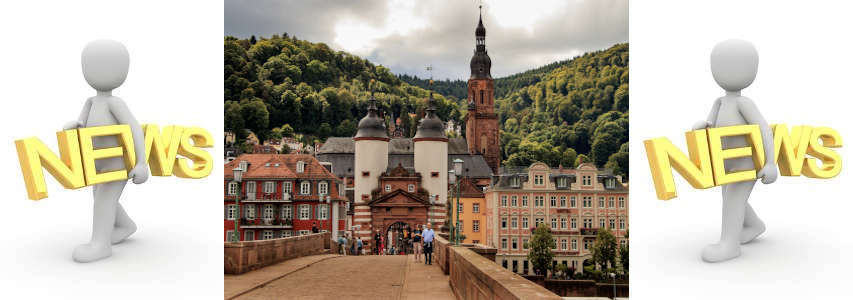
column 455, row 176
column 238, row 177
column 614, row 284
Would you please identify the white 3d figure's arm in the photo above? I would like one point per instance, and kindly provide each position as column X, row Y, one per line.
column 711, row 117
column 751, row 114
column 119, row 109
column 81, row 120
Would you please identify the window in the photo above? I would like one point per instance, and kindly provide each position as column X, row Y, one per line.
column 503, row 246
column 621, row 224
column 539, row 201
column 300, row 167
column 324, row 212
column 561, row 182
column 600, row 202
column 514, row 243
column 476, row 225
column 514, row 222
column 503, row 200
column 387, row 187
column 231, row 237
column 587, row 222
column 232, row 188
column 601, row 223
column 586, row 244
column 287, row 211
column 538, row 221
column 461, row 226
column 524, row 201
column 574, row 223
column 524, row 246
column 515, row 181
column 524, row 223
column 250, row 188
column 587, row 202
column 475, row 208
column 623, row 243
column 250, row 235
column 574, row 244
column 503, row 222
column 587, row 180
column 269, row 212
column 434, row 174
column 553, row 201
column 268, row 234
column 305, row 212
column 230, row 212
column 514, row 202
column 538, row 179
column 323, row 188
column 269, row 187
column 365, row 174
column 411, row 188
column 553, row 223
column 305, row 188
column 285, row 233
column 612, row 223
column 288, row 187
column 562, row 201
column 564, row 243
column 250, row 212
column 555, row 246
column 611, row 183
column 573, row 203
column 563, row 223
column 621, row 202
column 610, row 203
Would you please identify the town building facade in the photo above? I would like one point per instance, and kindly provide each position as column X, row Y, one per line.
column 471, row 211
column 573, row 203
column 282, row 195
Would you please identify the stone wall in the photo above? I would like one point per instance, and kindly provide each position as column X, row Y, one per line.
column 580, row 288
column 242, row 257
column 473, row 276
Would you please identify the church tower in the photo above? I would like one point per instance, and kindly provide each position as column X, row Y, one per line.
column 481, row 122
column 431, row 161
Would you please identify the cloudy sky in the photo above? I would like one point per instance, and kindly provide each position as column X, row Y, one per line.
column 407, row 35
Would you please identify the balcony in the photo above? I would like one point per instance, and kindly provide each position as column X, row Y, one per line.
column 589, row 231
column 267, row 198
column 266, row 223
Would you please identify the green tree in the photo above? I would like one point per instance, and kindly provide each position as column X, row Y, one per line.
column 234, row 118
column 604, row 249
column 286, row 130
column 346, row 128
column 624, row 255
column 539, row 253
column 581, row 159
column 255, row 115
column 324, row 131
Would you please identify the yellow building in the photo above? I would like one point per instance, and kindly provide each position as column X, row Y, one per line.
column 472, row 205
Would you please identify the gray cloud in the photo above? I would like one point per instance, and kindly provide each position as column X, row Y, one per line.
column 447, row 40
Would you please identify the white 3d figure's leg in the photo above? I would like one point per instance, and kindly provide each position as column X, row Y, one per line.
column 735, row 196
column 124, row 226
column 103, row 219
column 752, row 226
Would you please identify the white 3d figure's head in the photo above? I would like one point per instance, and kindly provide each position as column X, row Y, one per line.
column 105, row 64
column 734, row 64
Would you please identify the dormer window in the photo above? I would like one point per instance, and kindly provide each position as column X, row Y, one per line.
column 300, row 167
column 538, row 179
column 611, row 183
column 587, row 180
column 387, row 187
column 561, row 182
column 515, row 181
column 244, row 165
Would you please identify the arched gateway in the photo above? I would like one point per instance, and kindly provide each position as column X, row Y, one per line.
column 398, row 204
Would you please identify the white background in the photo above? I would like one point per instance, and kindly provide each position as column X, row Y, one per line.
column 175, row 77
column 803, row 79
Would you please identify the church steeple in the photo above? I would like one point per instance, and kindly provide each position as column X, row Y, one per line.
column 481, row 64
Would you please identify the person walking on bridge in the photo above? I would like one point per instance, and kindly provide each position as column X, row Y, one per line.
column 429, row 235
column 342, row 244
column 416, row 242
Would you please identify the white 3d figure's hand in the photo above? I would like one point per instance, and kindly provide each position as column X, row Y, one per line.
column 768, row 173
column 72, row 125
column 139, row 174
column 701, row 125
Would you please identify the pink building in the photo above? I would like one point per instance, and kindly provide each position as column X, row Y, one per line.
column 574, row 203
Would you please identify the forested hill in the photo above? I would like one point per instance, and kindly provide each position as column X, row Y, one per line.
column 281, row 85
column 561, row 114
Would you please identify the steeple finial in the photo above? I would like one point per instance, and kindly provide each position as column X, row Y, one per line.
column 371, row 108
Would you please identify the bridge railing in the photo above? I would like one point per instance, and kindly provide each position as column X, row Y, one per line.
column 474, row 276
column 242, row 257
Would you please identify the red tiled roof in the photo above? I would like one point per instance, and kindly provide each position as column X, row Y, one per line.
column 286, row 168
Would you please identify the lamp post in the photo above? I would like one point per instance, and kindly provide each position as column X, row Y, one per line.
column 451, row 179
column 614, row 284
column 456, row 177
column 238, row 177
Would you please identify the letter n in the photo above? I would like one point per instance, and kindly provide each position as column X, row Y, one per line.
column 68, row 170
column 663, row 156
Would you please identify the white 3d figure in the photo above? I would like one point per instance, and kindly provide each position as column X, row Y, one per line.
column 105, row 64
column 734, row 64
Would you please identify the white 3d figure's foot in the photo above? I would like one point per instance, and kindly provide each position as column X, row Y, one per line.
column 720, row 252
column 121, row 233
column 91, row 252
column 750, row 233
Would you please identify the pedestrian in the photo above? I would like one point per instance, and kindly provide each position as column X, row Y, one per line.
column 428, row 237
column 381, row 245
column 360, row 245
column 353, row 247
column 314, row 228
column 376, row 238
column 342, row 244
column 416, row 240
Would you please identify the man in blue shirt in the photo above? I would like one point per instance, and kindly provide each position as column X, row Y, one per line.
column 428, row 237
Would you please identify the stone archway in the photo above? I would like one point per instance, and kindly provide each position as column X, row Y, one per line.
column 394, row 233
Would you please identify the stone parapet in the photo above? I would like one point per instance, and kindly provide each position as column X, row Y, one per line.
column 245, row 256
